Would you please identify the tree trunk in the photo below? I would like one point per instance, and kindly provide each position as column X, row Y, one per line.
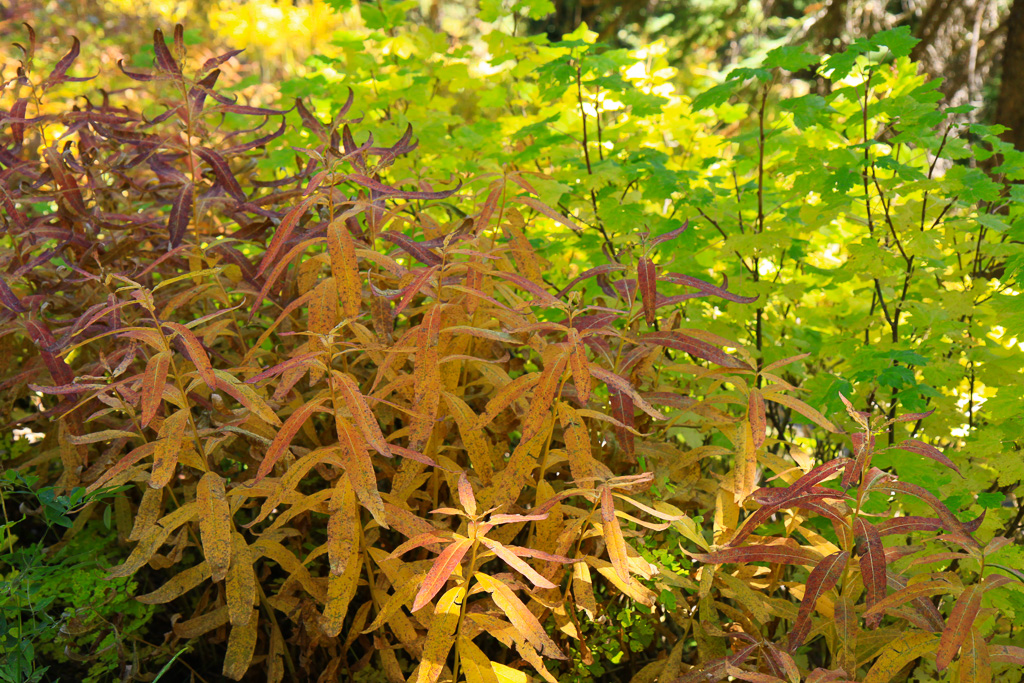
column 1010, row 107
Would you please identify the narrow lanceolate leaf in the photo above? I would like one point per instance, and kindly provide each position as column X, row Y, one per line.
column 647, row 280
column 359, row 469
column 776, row 553
column 340, row 589
column 241, row 644
column 345, row 268
column 823, row 577
column 807, row 411
column 215, row 524
column 153, row 382
column 441, row 571
column 343, row 527
column 361, row 413
column 196, row 353
column 170, row 441
column 924, row 589
column 928, row 451
column 613, row 536
column 247, row 396
column 745, row 468
column 543, row 398
column 323, row 307
column 512, row 560
column 959, row 624
column 506, row 396
column 872, row 566
column 426, row 378
column 899, row 653
column 286, row 434
column 180, row 215
column 974, row 666
column 578, row 365
column 178, row 586
column 756, row 416
column 697, row 348
column 577, row 446
column 847, row 628
column 475, row 441
column 520, row 617
column 240, row 583
column 440, row 636
column 623, row 385
column 1006, row 654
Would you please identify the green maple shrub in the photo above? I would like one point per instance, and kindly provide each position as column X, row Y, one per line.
column 367, row 428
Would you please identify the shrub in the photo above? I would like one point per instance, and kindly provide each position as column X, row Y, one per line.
column 361, row 432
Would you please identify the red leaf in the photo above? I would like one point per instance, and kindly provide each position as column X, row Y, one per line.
column 285, row 435
column 222, row 171
column 776, row 553
column 196, row 353
column 592, row 272
column 707, row 287
column 411, row 247
column 823, row 577
column 872, row 566
column 647, row 277
column 441, row 571
column 9, row 299
column 213, row 62
column 623, row 385
column 928, row 451
column 670, row 235
column 958, row 625
column 694, row 347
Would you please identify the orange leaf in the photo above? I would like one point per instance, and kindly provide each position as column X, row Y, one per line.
column 959, row 624
column 361, row 413
column 287, row 432
column 647, row 279
column 323, row 307
column 441, row 571
column 578, row 365
column 427, row 379
column 343, row 526
column 475, row 441
column 900, row 652
column 215, row 524
column 178, row 586
column 153, row 385
column 345, row 268
column 756, row 416
column 196, row 353
column 506, row 396
column 516, row 563
column 577, row 445
column 359, row 469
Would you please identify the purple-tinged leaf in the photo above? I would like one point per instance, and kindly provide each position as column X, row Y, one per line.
column 782, row 551
column 283, row 232
column 961, row 619
column 222, row 171
column 543, row 297
column 823, row 577
column 707, row 287
column 807, row 411
column 872, row 566
column 9, row 300
column 670, row 235
column 693, row 346
column 908, row 524
column 927, row 450
column 863, row 449
column 913, row 417
column 415, row 249
column 603, row 269
column 164, row 59
column 393, row 192
column 647, row 278
column 949, row 520
column 60, row 71
column 622, row 412
column 197, row 94
column 180, row 216
column 756, row 416
column 213, row 62
column 623, row 385
column 246, row 110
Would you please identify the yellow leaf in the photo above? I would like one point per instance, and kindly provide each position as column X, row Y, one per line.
column 215, row 523
column 440, row 637
column 241, row 581
column 178, row 586
column 149, row 543
column 474, row 440
column 169, row 443
column 204, row 623
column 342, row 527
column 153, row 382
column 612, row 533
column 475, row 664
column 520, row 617
column 323, row 307
column 974, row 665
column 577, row 445
column 345, row 268
column 899, row 653
column 745, row 468
column 241, row 643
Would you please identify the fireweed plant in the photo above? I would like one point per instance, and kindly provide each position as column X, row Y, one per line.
column 364, row 433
